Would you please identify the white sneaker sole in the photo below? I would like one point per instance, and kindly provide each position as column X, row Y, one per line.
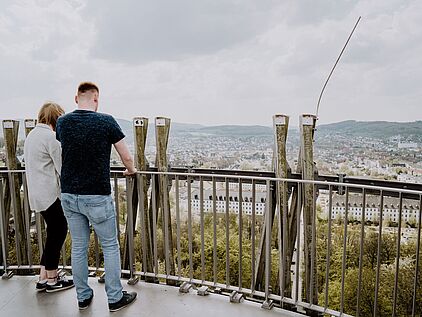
column 54, row 290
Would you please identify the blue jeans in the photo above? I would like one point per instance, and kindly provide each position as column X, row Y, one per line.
column 98, row 210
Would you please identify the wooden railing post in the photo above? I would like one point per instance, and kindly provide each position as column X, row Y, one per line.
column 281, row 125
column 10, row 132
column 162, row 129
column 39, row 222
column 307, row 127
column 260, row 271
column 29, row 125
column 140, row 125
column 280, row 139
column 3, row 234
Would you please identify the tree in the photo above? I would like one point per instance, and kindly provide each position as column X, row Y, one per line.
column 387, row 271
column 388, row 249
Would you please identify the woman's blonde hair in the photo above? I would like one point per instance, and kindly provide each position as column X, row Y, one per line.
column 49, row 113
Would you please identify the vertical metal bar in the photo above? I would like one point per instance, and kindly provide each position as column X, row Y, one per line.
column 179, row 259
column 190, row 227
column 298, row 244
column 64, row 258
column 343, row 265
column 130, row 234
column 396, row 276
column 362, row 238
column 15, row 215
column 141, row 199
column 154, row 222
column 284, row 262
column 327, row 263
column 201, row 215
column 280, row 231
column 3, row 232
column 27, row 218
column 117, row 204
column 253, row 234
column 166, row 223
column 38, row 220
column 377, row 279
column 418, row 244
column 267, row 241
column 214, row 228
column 227, row 234
column 97, row 252
column 240, row 199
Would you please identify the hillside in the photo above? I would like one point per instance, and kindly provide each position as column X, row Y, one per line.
column 375, row 129
column 180, row 129
column 237, row 130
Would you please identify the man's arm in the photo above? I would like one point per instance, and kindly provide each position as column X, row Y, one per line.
column 125, row 156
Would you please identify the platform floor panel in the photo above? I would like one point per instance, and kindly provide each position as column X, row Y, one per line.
column 18, row 298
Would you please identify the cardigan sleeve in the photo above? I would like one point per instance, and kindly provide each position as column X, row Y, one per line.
column 55, row 151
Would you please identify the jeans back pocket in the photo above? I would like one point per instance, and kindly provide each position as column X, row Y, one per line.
column 99, row 209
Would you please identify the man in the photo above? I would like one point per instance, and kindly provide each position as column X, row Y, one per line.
column 86, row 137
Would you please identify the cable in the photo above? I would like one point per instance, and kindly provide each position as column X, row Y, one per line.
column 335, row 64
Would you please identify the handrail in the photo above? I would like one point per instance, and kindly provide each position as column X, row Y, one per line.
column 247, row 264
column 319, row 179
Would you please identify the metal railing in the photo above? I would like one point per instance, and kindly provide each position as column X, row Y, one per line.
column 205, row 229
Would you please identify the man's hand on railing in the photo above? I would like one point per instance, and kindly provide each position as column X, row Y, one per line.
column 130, row 172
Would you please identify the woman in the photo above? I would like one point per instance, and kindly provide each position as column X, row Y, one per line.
column 42, row 154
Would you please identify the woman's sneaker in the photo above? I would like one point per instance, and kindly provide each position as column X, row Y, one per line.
column 60, row 285
column 126, row 300
column 41, row 286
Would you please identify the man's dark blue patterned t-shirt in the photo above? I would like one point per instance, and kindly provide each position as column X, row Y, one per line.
column 86, row 138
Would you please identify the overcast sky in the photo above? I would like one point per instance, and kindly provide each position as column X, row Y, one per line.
column 214, row 61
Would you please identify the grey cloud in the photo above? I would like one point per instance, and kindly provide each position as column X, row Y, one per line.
column 53, row 46
column 310, row 12
column 139, row 31
column 75, row 4
column 215, row 62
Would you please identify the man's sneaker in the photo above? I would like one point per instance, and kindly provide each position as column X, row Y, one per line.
column 126, row 300
column 60, row 285
column 41, row 286
column 86, row 302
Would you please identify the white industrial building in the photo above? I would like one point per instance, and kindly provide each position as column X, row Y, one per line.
column 233, row 200
column 390, row 209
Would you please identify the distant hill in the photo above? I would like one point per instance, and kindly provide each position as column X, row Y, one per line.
column 175, row 129
column 175, row 126
column 237, row 130
column 376, row 129
column 197, row 129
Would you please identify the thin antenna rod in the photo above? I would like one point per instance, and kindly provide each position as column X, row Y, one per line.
column 332, row 70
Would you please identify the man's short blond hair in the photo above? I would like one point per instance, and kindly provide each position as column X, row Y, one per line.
column 49, row 113
column 87, row 85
